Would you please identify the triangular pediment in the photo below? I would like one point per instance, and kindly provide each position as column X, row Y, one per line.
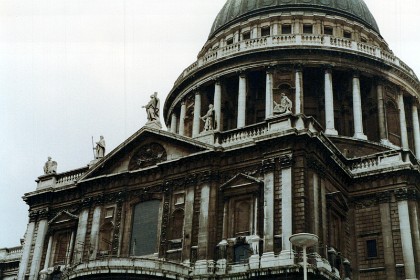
column 146, row 148
column 62, row 217
column 241, row 183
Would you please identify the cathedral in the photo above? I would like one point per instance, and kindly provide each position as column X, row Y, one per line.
column 292, row 152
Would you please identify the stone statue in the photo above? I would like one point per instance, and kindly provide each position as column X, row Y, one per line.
column 209, row 120
column 285, row 105
column 100, row 148
column 50, row 167
column 152, row 110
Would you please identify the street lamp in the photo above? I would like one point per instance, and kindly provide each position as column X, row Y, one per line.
column 304, row 240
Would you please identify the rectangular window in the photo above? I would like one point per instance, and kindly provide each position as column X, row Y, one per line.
column 144, row 230
column 246, row 35
column 347, row 34
column 265, row 31
column 328, row 30
column 229, row 41
column 371, row 249
column 286, row 29
column 307, row 29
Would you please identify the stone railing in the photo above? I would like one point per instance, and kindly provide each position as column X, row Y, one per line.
column 274, row 125
column 69, row 177
column 288, row 40
column 8, row 254
column 132, row 265
column 379, row 161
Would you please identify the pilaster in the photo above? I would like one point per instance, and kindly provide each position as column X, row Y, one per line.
column 384, row 199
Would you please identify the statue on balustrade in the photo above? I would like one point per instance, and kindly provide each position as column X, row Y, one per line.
column 209, row 119
column 50, row 167
column 152, row 110
column 285, row 105
column 100, row 148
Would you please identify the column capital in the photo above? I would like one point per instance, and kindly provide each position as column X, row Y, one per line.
column 384, row 197
column 242, row 73
column 33, row 215
column 286, row 160
column 298, row 67
column 268, row 165
column 405, row 194
column 328, row 68
column 356, row 73
column 270, row 68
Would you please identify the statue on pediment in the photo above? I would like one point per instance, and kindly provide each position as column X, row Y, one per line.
column 285, row 105
column 152, row 110
column 50, row 167
column 100, row 148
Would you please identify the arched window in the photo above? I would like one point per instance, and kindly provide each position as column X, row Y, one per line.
column 144, row 232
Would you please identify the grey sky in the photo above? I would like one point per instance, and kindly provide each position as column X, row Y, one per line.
column 70, row 70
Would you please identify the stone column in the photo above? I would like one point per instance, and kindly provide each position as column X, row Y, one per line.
column 269, row 94
column 39, row 245
column 81, row 236
column 94, row 233
column 405, row 230
column 286, row 210
column 241, row 101
column 197, row 114
column 388, row 243
column 173, row 122
column 381, row 114
column 24, row 261
column 357, row 109
column 182, row 118
column 269, row 167
column 403, row 123
column 218, row 105
column 416, row 129
column 189, row 213
column 48, row 254
column 299, row 90
column 329, row 104
column 414, row 217
column 206, row 228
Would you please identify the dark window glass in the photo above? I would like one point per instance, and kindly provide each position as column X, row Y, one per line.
column 307, row 29
column 347, row 34
column 144, row 230
column 286, row 29
column 177, row 224
column 61, row 247
column 371, row 248
column 328, row 30
column 246, row 35
column 265, row 31
column 364, row 40
column 229, row 41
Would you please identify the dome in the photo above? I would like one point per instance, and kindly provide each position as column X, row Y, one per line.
column 235, row 10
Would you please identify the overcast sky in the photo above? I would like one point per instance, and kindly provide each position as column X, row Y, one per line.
column 70, row 70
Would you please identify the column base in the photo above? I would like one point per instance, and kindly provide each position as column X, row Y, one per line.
column 299, row 123
column 269, row 260
column 360, row 135
column 287, row 257
column 386, row 142
column 203, row 267
column 331, row 131
column 254, row 261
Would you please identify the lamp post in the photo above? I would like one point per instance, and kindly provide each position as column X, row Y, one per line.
column 304, row 240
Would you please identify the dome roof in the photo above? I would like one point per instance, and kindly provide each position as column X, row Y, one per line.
column 235, row 10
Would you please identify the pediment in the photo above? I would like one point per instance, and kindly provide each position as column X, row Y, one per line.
column 147, row 148
column 338, row 200
column 63, row 217
column 241, row 183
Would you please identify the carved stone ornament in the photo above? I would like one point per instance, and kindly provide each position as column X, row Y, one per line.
column 148, row 155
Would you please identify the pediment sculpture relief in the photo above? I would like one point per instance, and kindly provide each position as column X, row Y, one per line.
column 148, row 155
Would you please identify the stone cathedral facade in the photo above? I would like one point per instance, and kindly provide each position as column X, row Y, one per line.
column 296, row 117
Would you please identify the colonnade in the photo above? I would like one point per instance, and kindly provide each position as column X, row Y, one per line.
column 178, row 119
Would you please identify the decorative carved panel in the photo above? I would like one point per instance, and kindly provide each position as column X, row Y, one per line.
column 147, row 155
